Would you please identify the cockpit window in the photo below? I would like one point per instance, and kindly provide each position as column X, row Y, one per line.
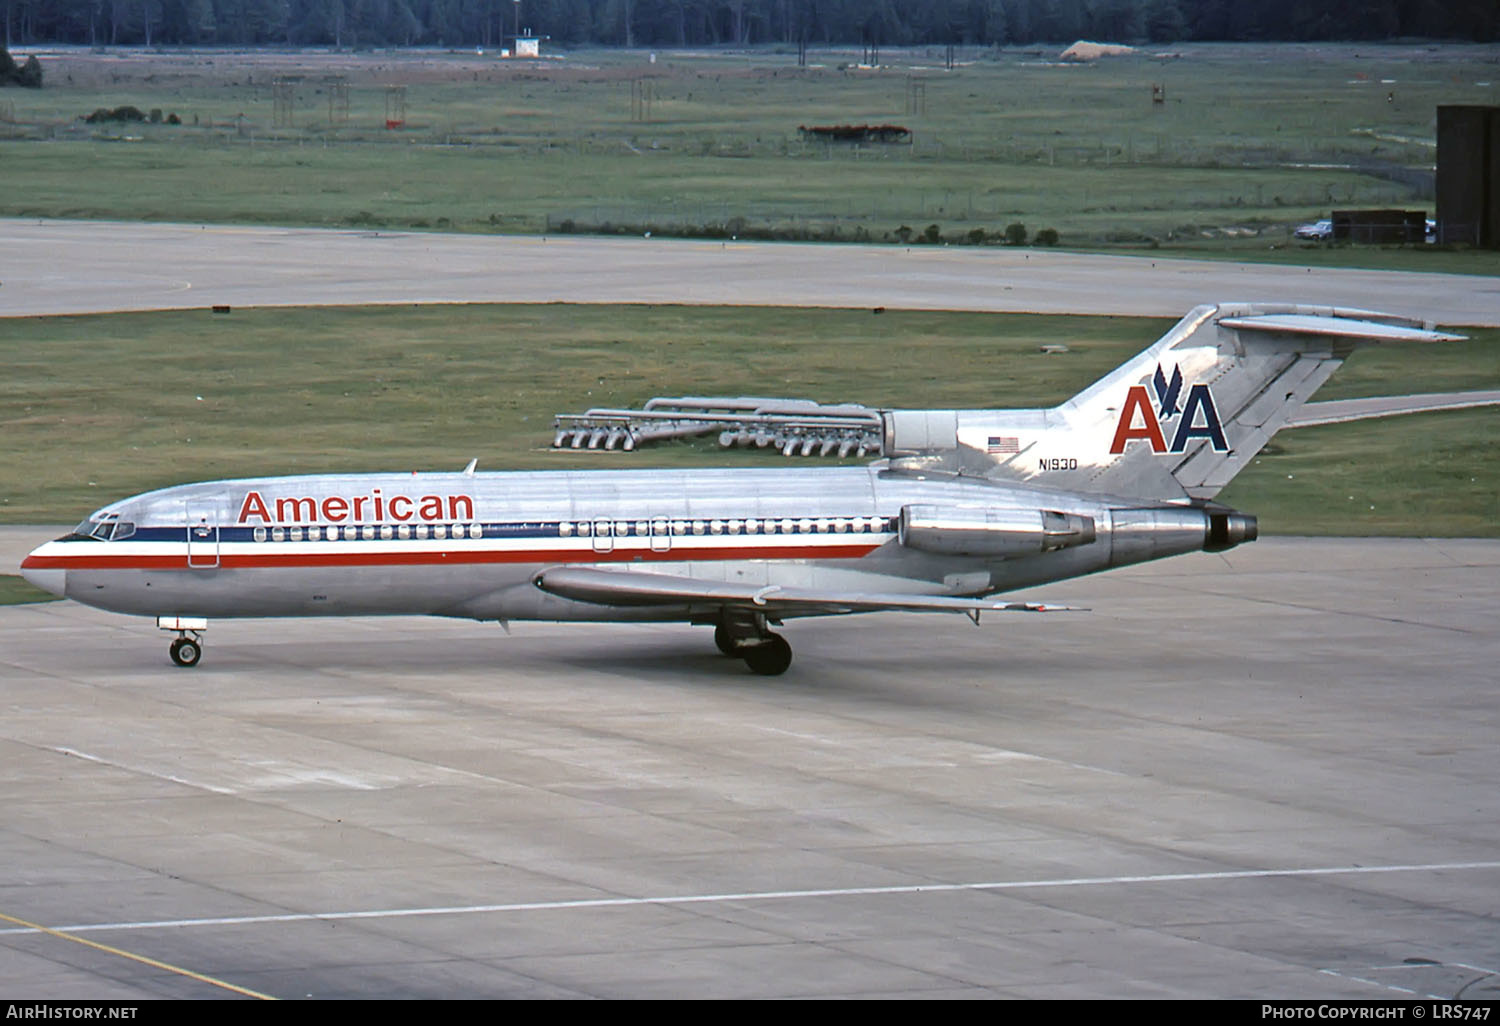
column 104, row 527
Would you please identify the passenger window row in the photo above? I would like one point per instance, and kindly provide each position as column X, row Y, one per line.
column 753, row 525
column 585, row 528
column 369, row 532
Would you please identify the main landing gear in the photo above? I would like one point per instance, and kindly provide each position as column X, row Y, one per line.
column 187, row 649
column 746, row 637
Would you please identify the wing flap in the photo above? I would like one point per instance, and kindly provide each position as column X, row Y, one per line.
column 637, row 588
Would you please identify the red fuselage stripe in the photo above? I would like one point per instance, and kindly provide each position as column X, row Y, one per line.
column 234, row 561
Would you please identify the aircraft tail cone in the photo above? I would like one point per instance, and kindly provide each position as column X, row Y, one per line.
column 1229, row 528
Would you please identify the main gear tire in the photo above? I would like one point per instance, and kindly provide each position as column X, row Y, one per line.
column 726, row 641
column 770, row 658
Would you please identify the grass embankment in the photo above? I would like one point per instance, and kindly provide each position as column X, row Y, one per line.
column 14, row 592
column 98, row 408
column 1250, row 141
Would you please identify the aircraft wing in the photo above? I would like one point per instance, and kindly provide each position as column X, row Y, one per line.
column 640, row 588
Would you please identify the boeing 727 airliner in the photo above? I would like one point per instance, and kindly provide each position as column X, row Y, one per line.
column 968, row 504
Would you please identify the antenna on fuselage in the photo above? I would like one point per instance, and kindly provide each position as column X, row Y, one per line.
column 469, row 470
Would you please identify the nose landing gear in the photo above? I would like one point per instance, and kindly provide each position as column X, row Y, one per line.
column 187, row 649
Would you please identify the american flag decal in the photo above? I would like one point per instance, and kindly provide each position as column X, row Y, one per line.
column 1003, row 445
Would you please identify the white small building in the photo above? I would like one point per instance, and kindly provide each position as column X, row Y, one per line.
column 528, row 46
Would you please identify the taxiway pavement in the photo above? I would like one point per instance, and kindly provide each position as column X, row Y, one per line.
column 49, row 267
column 1266, row 773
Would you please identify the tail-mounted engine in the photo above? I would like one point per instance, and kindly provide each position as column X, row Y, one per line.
column 999, row 533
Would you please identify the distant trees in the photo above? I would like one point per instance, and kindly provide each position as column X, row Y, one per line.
column 358, row 23
column 28, row 75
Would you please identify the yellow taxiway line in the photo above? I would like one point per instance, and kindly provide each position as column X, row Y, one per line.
column 179, row 970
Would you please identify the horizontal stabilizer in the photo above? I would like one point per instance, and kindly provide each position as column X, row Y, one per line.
column 1345, row 324
column 637, row 588
column 1342, row 411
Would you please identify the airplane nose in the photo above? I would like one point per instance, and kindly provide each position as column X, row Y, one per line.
column 47, row 578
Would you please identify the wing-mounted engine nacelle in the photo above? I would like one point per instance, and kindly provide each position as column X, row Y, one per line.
column 973, row 531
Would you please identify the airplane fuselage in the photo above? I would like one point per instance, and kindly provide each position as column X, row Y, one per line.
column 472, row 545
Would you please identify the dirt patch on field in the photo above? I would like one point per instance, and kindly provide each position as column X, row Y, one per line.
column 1083, row 50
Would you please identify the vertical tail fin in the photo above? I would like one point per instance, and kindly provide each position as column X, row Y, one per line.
column 1182, row 418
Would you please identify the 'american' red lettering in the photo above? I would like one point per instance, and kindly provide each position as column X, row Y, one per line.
column 335, row 509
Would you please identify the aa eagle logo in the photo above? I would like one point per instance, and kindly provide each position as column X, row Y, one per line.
column 1140, row 418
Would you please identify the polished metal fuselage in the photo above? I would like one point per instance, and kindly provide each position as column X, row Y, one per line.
column 471, row 545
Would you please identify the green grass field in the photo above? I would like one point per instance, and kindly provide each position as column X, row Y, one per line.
column 96, row 408
column 1251, row 141
column 14, row 591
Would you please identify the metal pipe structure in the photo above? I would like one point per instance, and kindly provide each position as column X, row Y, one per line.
column 794, row 426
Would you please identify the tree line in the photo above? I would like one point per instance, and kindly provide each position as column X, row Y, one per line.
column 666, row 23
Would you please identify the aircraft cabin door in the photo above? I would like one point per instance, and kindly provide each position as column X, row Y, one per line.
column 202, row 536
